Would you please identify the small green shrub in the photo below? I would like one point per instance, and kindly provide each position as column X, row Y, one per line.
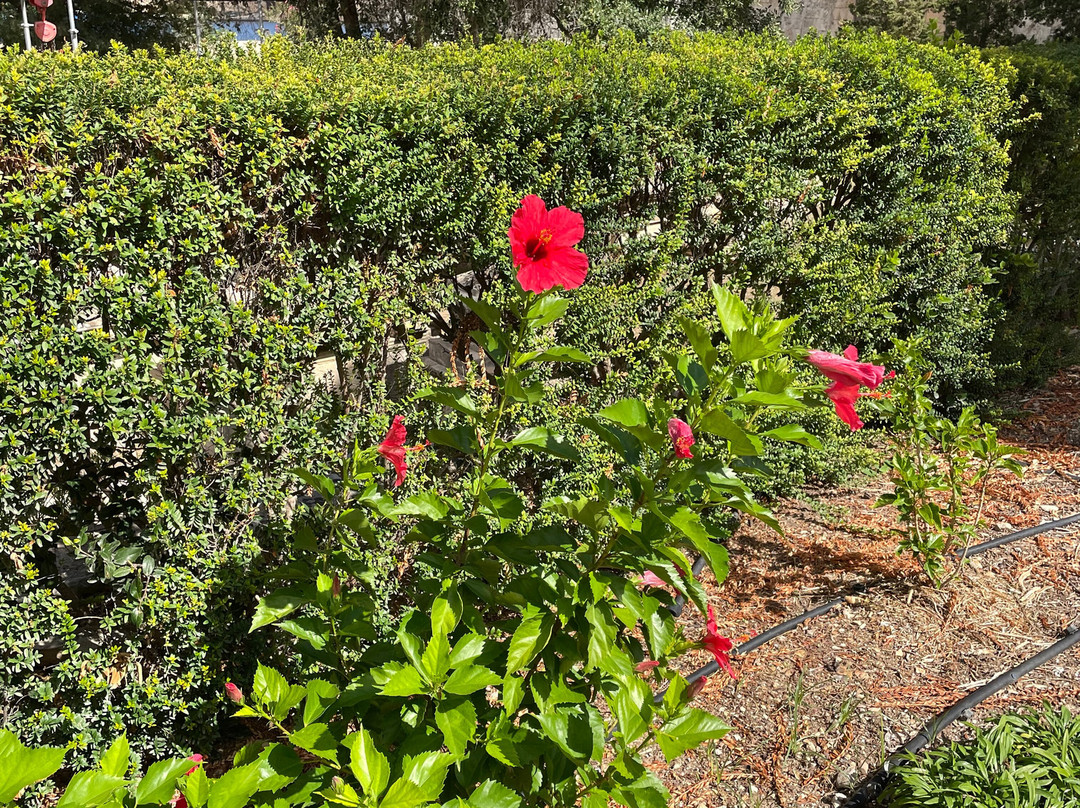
column 937, row 465
column 1030, row 760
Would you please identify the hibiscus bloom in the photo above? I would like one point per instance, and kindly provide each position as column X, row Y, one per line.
column 178, row 800
column 542, row 242
column 847, row 375
column 393, row 448
column 682, row 438
column 650, row 578
column 719, row 647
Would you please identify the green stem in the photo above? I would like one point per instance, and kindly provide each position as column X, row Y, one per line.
column 486, row 452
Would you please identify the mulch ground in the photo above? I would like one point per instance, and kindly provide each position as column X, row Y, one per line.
column 816, row 709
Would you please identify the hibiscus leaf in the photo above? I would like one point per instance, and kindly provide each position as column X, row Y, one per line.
column 24, row 765
column 689, row 524
column 274, row 607
column 462, row 438
column 793, row 433
column 557, row 353
column 716, row 422
column 733, row 313
column 452, row 397
column 700, row 341
column 516, row 391
column 626, row 445
column 491, row 344
column 549, row 309
column 760, row 399
column 491, row 315
column 687, row 730
column 542, row 439
column 628, row 412
column 745, row 347
column 692, row 376
column 456, row 719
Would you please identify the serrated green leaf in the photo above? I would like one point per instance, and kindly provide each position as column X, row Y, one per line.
column 117, row 758
column 24, row 766
column 469, row 679
column 89, row 789
column 542, row 439
column 368, row 764
column 628, row 412
column 530, row 638
column 235, row 788
column 274, row 607
column 159, row 782
column 456, row 720
column 196, row 788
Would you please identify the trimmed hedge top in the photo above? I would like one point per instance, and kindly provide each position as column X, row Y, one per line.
column 183, row 237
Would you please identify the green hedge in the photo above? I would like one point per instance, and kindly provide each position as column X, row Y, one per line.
column 1040, row 289
column 184, row 236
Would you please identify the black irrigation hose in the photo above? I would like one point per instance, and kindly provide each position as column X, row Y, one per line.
column 1020, row 534
column 873, row 785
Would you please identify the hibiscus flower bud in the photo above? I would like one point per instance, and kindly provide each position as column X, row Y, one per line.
column 696, row 687
column 646, row 665
column 234, row 693
column 335, row 587
column 682, row 437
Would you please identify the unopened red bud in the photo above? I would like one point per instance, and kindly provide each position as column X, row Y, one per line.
column 646, row 665
column 335, row 589
column 696, row 687
column 234, row 693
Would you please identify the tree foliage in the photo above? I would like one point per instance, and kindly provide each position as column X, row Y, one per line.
column 985, row 23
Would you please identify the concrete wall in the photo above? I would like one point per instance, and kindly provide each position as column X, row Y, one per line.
column 826, row 16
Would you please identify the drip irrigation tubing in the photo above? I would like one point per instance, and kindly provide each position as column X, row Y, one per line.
column 873, row 785
column 776, row 631
column 1020, row 534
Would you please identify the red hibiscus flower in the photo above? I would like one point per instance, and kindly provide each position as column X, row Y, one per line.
column 719, row 647
column 178, row 800
column 682, row 438
column 848, row 375
column 650, row 578
column 393, row 448
column 542, row 242
column 196, row 759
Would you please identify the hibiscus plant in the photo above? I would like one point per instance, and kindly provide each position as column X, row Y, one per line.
column 535, row 655
column 940, row 469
